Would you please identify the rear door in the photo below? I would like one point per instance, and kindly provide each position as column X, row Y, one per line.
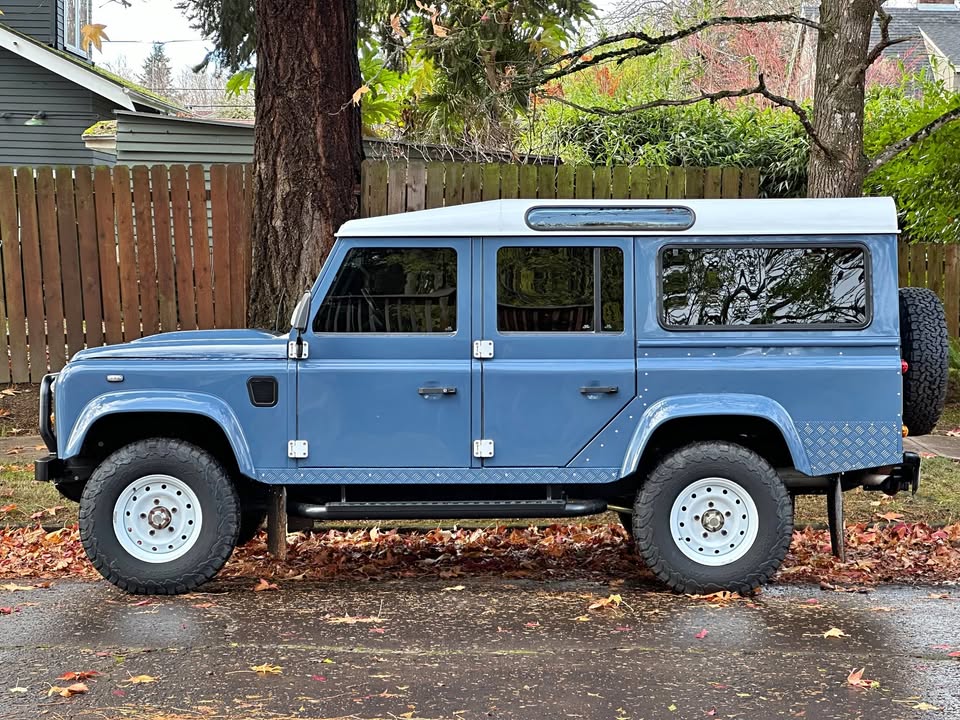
column 560, row 313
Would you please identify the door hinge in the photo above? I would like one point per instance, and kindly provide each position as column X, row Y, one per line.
column 483, row 349
column 298, row 350
column 297, row 449
column 483, row 448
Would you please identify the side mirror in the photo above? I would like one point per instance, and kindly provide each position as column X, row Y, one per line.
column 301, row 314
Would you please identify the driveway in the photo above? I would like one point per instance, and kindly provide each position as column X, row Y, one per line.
column 479, row 648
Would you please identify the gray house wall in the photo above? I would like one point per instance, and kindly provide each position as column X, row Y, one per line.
column 71, row 109
column 36, row 18
column 154, row 139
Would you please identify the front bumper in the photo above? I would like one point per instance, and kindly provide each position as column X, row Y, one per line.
column 46, row 412
column 49, row 469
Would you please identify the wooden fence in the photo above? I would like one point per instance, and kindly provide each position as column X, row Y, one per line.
column 937, row 267
column 95, row 256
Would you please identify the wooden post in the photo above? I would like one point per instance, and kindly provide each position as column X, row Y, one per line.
column 277, row 522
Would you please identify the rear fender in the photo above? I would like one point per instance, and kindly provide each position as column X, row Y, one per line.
column 702, row 405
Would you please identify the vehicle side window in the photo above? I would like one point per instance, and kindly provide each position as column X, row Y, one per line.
column 559, row 289
column 764, row 286
column 392, row 290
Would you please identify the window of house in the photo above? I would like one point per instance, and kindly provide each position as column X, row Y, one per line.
column 76, row 14
column 392, row 290
column 764, row 286
column 559, row 289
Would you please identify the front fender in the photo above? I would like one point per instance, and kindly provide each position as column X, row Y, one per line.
column 138, row 401
column 682, row 406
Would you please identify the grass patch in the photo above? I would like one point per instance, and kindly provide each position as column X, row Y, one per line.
column 19, row 489
column 937, row 503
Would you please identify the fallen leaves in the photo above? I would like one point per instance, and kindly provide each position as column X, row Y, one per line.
column 78, row 676
column 879, row 552
column 267, row 669
column 609, row 601
column 856, row 679
column 13, row 587
column 455, row 588
column 835, row 633
column 69, row 691
column 140, row 679
column 351, row 620
column 701, row 635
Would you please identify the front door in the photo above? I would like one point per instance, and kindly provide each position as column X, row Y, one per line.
column 561, row 318
column 387, row 380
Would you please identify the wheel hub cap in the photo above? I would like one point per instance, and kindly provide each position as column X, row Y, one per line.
column 157, row 518
column 714, row 521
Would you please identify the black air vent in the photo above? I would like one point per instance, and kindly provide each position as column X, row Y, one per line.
column 263, row 391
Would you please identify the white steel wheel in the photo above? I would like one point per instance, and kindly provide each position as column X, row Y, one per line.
column 714, row 521
column 157, row 518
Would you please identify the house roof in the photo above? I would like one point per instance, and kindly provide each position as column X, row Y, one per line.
column 833, row 216
column 939, row 26
column 97, row 80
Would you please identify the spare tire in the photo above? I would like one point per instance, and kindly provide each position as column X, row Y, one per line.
column 924, row 345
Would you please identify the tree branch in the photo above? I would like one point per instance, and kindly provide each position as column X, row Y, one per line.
column 759, row 89
column 884, row 20
column 895, row 149
column 581, row 58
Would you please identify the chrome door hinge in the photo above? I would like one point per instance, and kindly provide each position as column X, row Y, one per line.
column 483, row 448
column 297, row 449
column 298, row 350
column 483, row 349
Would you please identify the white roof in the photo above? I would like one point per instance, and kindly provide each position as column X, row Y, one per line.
column 841, row 216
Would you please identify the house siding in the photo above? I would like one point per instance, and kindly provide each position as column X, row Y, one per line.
column 146, row 140
column 29, row 88
column 31, row 17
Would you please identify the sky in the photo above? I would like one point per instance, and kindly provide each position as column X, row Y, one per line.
column 132, row 30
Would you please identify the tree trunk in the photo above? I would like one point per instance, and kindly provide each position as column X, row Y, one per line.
column 307, row 147
column 838, row 98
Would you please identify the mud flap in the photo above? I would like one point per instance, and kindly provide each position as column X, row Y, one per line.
column 835, row 519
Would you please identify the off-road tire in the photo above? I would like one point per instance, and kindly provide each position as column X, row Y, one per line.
column 924, row 345
column 651, row 518
column 216, row 496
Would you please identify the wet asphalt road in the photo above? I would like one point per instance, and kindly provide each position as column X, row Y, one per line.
column 490, row 649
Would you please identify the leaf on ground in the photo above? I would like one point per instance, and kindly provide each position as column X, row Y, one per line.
column 582, row 618
column 881, row 608
column 856, row 679
column 890, row 516
column 264, row 585
column 8, row 508
column 17, row 689
column 835, row 633
column 701, row 635
column 352, row 620
column 610, row 601
column 13, row 587
column 267, row 669
column 204, row 606
column 318, row 678
column 141, row 679
column 69, row 691
column 925, row 706
column 77, row 676
column 954, row 654
column 455, row 588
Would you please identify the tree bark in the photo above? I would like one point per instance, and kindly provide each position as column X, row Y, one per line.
column 307, row 147
column 838, row 98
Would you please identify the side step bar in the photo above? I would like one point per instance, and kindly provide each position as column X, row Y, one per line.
column 454, row 510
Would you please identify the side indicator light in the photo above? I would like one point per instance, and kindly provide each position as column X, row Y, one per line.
column 905, row 431
column 904, row 367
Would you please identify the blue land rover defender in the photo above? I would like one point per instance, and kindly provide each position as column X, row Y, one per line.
column 691, row 365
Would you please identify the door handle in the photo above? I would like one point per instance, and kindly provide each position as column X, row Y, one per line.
column 437, row 391
column 601, row 389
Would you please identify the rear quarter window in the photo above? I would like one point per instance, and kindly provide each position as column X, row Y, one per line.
column 764, row 287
